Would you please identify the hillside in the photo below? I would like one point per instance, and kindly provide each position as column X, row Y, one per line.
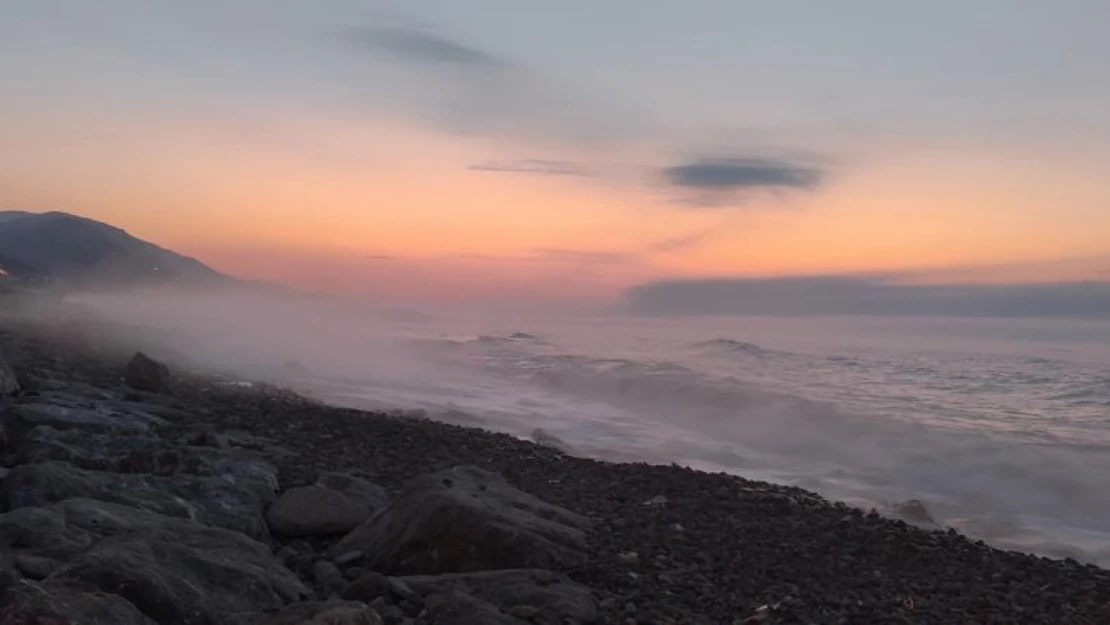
column 80, row 251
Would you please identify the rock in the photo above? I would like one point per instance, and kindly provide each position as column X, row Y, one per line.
column 55, row 603
column 314, row 511
column 552, row 597
column 402, row 590
column 457, row 608
column 527, row 612
column 232, row 504
column 630, row 558
column 370, row 586
column 141, row 454
column 467, row 519
column 329, row 577
column 348, row 557
column 173, row 570
column 334, row 612
column 144, row 373
column 35, row 567
column 370, row 495
column 9, row 382
column 17, row 421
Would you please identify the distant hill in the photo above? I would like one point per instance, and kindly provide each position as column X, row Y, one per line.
column 78, row 251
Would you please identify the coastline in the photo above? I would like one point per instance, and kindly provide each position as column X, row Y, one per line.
column 666, row 544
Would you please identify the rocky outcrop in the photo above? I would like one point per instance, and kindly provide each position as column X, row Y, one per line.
column 18, row 421
column 314, row 511
column 144, row 373
column 217, row 501
column 61, row 603
column 363, row 492
column 466, row 519
column 459, row 608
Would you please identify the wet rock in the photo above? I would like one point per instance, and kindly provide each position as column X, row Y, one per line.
column 368, row 587
column 458, row 608
column 314, row 511
column 141, row 454
column 231, row 504
column 334, row 612
column 144, row 373
column 551, row 597
column 9, row 382
column 35, row 567
column 56, row 603
column 329, row 577
column 467, row 519
column 17, row 421
column 367, row 494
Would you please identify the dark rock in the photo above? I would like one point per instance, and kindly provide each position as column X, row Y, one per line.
column 141, row 454
column 231, row 504
column 348, row 557
column 334, row 612
column 18, row 421
column 314, row 511
column 373, row 497
column 368, row 587
column 467, row 519
column 35, row 567
column 9, row 382
column 56, row 603
column 329, row 577
column 144, row 373
column 552, row 596
column 457, row 608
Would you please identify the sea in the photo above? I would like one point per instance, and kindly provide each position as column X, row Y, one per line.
column 999, row 428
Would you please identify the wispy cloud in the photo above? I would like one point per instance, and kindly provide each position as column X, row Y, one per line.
column 535, row 166
column 422, row 47
column 721, row 182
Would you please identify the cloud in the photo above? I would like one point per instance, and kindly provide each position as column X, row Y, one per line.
column 535, row 166
column 586, row 257
column 868, row 295
column 422, row 47
column 734, row 174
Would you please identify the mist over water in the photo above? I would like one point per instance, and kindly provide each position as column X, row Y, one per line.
column 1000, row 427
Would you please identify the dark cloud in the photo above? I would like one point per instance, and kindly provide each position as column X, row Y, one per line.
column 738, row 174
column 849, row 295
column 535, row 166
column 422, row 47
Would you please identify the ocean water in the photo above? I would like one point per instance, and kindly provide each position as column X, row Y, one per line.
column 999, row 427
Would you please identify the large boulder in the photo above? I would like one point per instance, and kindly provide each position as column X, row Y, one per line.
column 141, row 454
column 459, row 608
column 173, row 570
column 16, row 422
column 334, row 612
column 144, row 373
column 58, row 603
column 466, row 519
column 220, row 501
column 367, row 494
column 314, row 511
column 549, row 597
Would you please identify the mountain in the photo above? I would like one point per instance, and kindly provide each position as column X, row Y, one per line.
column 79, row 251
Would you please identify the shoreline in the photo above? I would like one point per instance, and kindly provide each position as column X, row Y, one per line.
column 667, row 544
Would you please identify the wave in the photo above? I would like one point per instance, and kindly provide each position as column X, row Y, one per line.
column 732, row 346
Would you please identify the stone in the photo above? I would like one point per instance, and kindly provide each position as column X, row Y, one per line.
column 173, row 570
column 144, row 373
column 232, row 504
column 329, row 577
column 458, row 608
column 368, row 587
column 363, row 492
column 9, row 382
column 550, row 597
column 35, row 567
column 333, row 612
column 140, row 453
column 16, row 422
column 348, row 557
column 467, row 519
column 55, row 603
column 314, row 511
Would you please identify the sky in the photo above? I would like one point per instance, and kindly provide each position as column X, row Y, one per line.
column 436, row 150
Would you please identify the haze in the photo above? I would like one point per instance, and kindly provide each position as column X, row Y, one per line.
column 441, row 151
